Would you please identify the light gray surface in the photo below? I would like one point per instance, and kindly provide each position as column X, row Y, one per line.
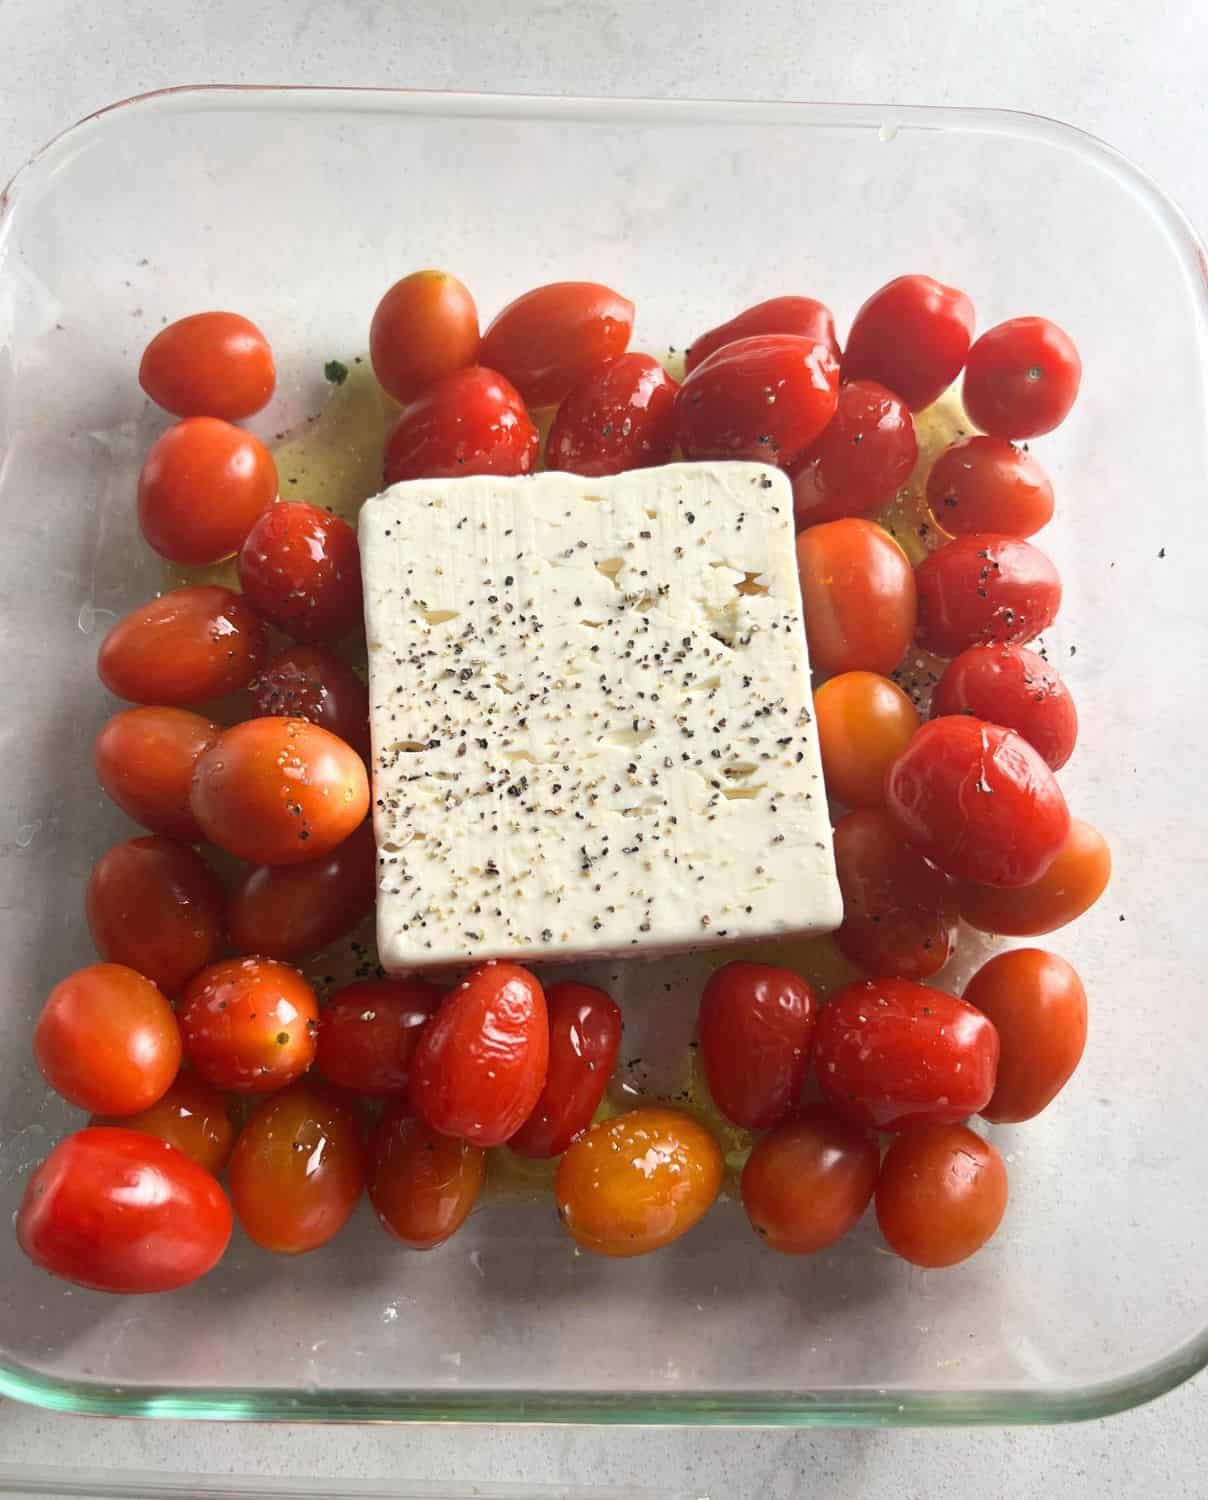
column 1135, row 79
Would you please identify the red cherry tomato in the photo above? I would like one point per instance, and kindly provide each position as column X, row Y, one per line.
column 982, row 590
column 425, row 327
column 187, row 646
column 156, row 907
column 622, row 418
column 368, row 1033
column 864, row 722
column 479, row 1067
column 119, row 1211
column 912, row 336
column 471, row 422
column 858, row 592
column 1021, row 378
column 249, row 1024
column 556, row 337
column 1012, row 686
column 584, row 1037
column 987, row 484
column 978, row 801
column 300, row 568
column 941, row 1195
column 213, row 364
column 193, row 1117
column 864, row 453
column 421, row 1183
column 801, row 316
column 145, row 759
column 765, row 399
column 311, row 682
column 1071, row 885
column 890, row 1054
column 756, row 1026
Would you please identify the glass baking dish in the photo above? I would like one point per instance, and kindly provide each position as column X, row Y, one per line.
column 299, row 207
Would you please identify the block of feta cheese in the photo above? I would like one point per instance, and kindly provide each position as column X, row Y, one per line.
column 591, row 717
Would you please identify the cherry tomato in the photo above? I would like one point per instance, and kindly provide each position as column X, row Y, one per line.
column 987, row 484
column 118, row 1211
column 300, row 568
column 1072, row 884
column 479, row 1067
column 421, row 1183
column 756, row 1026
column 622, row 418
column 978, row 801
column 156, row 907
column 797, row 315
column 890, row 1054
column 191, row 1116
column 584, row 1037
column 864, row 721
column 764, row 399
column 145, row 759
column 279, row 791
column 1011, row 685
column 425, row 327
column 982, row 590
column 556, row 337
column 297, row 1169
column 472, row 422
column 368, row 1033
column 213, row 364
column 941, row 1195
column 912, row 336
column 636, row 1182
column 311, row 682
column 809, row 1181
column 186, row 646
column 1021, row 378
column 899, row 911
column 249, row 1024
column 858, row 591
column 864, row 453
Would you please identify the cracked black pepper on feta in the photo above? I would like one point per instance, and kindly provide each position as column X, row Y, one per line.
column 591, row 716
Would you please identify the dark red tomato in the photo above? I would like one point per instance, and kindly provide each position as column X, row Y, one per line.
column 300, row 567
column 213, row 364
column 556, row 337
column 479, row 1067
column 858, row 592
column 1021, row 378
column 978, row 801
column 809, row 1181
column 985, row 589
column 422, row 1184
column 188, row 646
column 941, row 1195
column 584, row 1037
column 471, row 422
column 249, row 1024
column 425, row 327
column 622, row 418
column 899, row 911
column 987, row 484
column 890, row 1054
column 368, row 1032
column 297, row 1169
column 118, row 1211
column 1071, row 885
column 201, row 487
column 145, row 759
column 1011, row 685
column 912, row 336
column 155, row 906
column 192, row 1116
column 864, row 722
column 764, row 399
column 755, row 1026
column 801, row 316
column 865, row 452
column 311, row 682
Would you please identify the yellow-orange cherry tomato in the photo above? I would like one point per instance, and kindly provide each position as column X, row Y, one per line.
column 864, row 721
column 1071, row 885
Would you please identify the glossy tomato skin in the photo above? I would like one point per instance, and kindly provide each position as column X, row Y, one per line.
column 862, row 456
column 188, row 646
column 858, row 593
column 941, row 1195
column 200, row 489
column 584, row 1038
column 212, row 364
column 425, row 327
column 311, row 682
column 1071, row 885
column 192, row 1116
column 756, row 1027
column 984, row 589
column 480, row 1065
column 155, row 906
column 555, row 337
column 764, row 399
column 249, row 1024
column 987, row 484
column 118, row 1211
column 978, row 801
column 892, row 1054
column 300, row 568
column 471, row 422
column 622, row 418
column 1012, row 686
column 802, row 316
column 1022, row 378
column 864, row 722
column 144, row 760
column 422, row 1184
column 911, row 336
column 368, row 1032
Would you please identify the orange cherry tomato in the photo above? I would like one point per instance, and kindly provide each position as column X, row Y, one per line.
column 864, row 722
column 213, row 364
column 193, row 1117
column 802, row 316
column 556, row 337
column 144, row 760
column 858, row 591
column 425, row 327
column 911, row 336
column 987, row 484
column 941, row 1195
column 756, row 1027
column 248, row 1024
column 187, row 646
column 311, row 682
column 369, row 1030
column 300, row 568
column 1072, row 884
column 422, row 1184
column 584, row 1037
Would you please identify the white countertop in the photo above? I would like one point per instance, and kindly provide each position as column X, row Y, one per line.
column 1134, row 77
